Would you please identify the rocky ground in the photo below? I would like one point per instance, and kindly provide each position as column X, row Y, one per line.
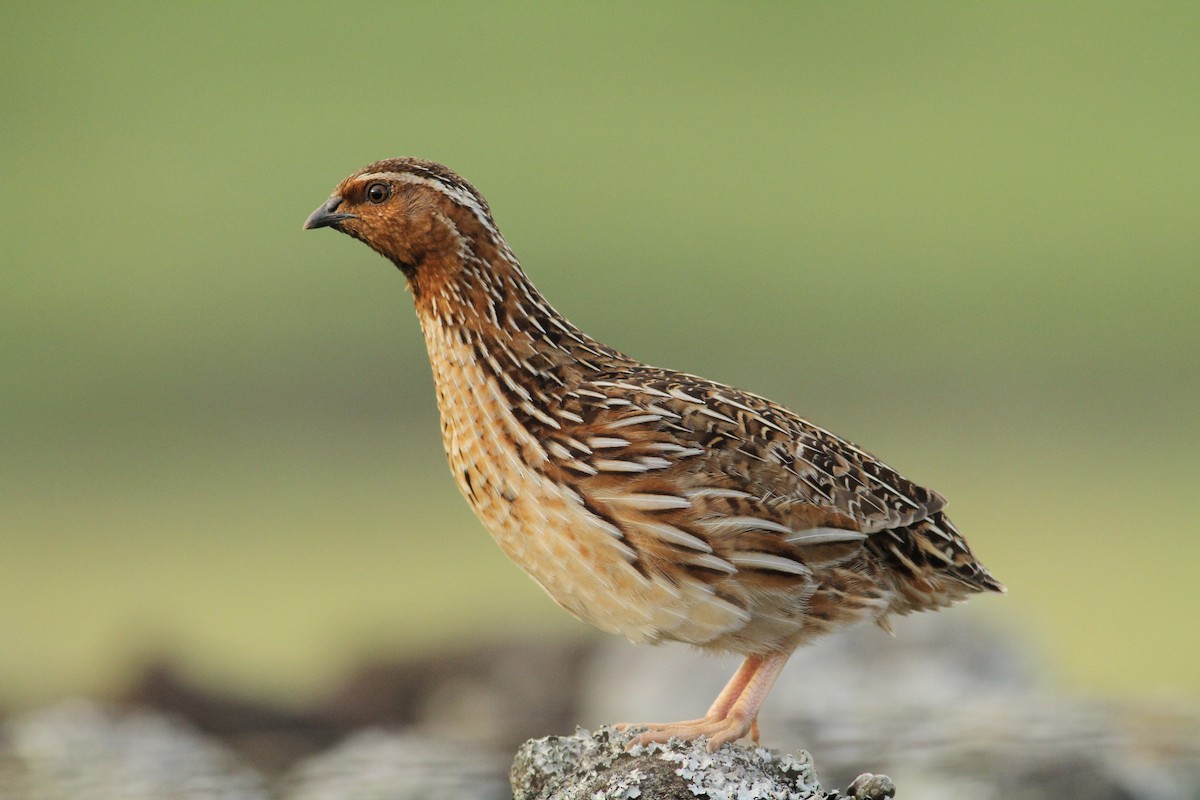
column 946, row 709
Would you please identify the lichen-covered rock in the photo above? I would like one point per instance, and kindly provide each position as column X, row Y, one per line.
column 597, row 766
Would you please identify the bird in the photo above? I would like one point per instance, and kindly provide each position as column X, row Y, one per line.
column 647, row 502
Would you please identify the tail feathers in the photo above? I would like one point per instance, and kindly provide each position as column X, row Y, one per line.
column 930, row 564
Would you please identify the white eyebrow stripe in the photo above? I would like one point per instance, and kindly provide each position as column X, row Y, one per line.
column 457, row 194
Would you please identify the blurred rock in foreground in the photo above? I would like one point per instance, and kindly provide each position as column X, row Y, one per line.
column 381, row 765
column 947, row 708
column 493, row 694
column 79, row 750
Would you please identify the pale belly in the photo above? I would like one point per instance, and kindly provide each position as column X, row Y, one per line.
column 544, row 527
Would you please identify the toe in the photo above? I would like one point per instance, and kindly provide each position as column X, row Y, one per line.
column 719, row 731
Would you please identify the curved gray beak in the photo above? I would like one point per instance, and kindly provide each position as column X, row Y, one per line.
column 327, row 214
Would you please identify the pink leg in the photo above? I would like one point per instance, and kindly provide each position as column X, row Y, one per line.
column 733, row 690
column 720, row 707
column 735, row 712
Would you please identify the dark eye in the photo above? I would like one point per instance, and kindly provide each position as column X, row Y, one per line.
column 378, row 192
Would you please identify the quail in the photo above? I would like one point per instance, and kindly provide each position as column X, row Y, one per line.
column 646, row 502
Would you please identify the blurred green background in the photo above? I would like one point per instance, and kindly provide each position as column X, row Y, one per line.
column 964, row 236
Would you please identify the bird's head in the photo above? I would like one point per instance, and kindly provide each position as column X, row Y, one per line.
column 417, row 213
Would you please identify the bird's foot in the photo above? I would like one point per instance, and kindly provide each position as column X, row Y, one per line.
column 718, row 729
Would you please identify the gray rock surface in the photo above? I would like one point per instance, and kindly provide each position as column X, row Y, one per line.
column 597, row 766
